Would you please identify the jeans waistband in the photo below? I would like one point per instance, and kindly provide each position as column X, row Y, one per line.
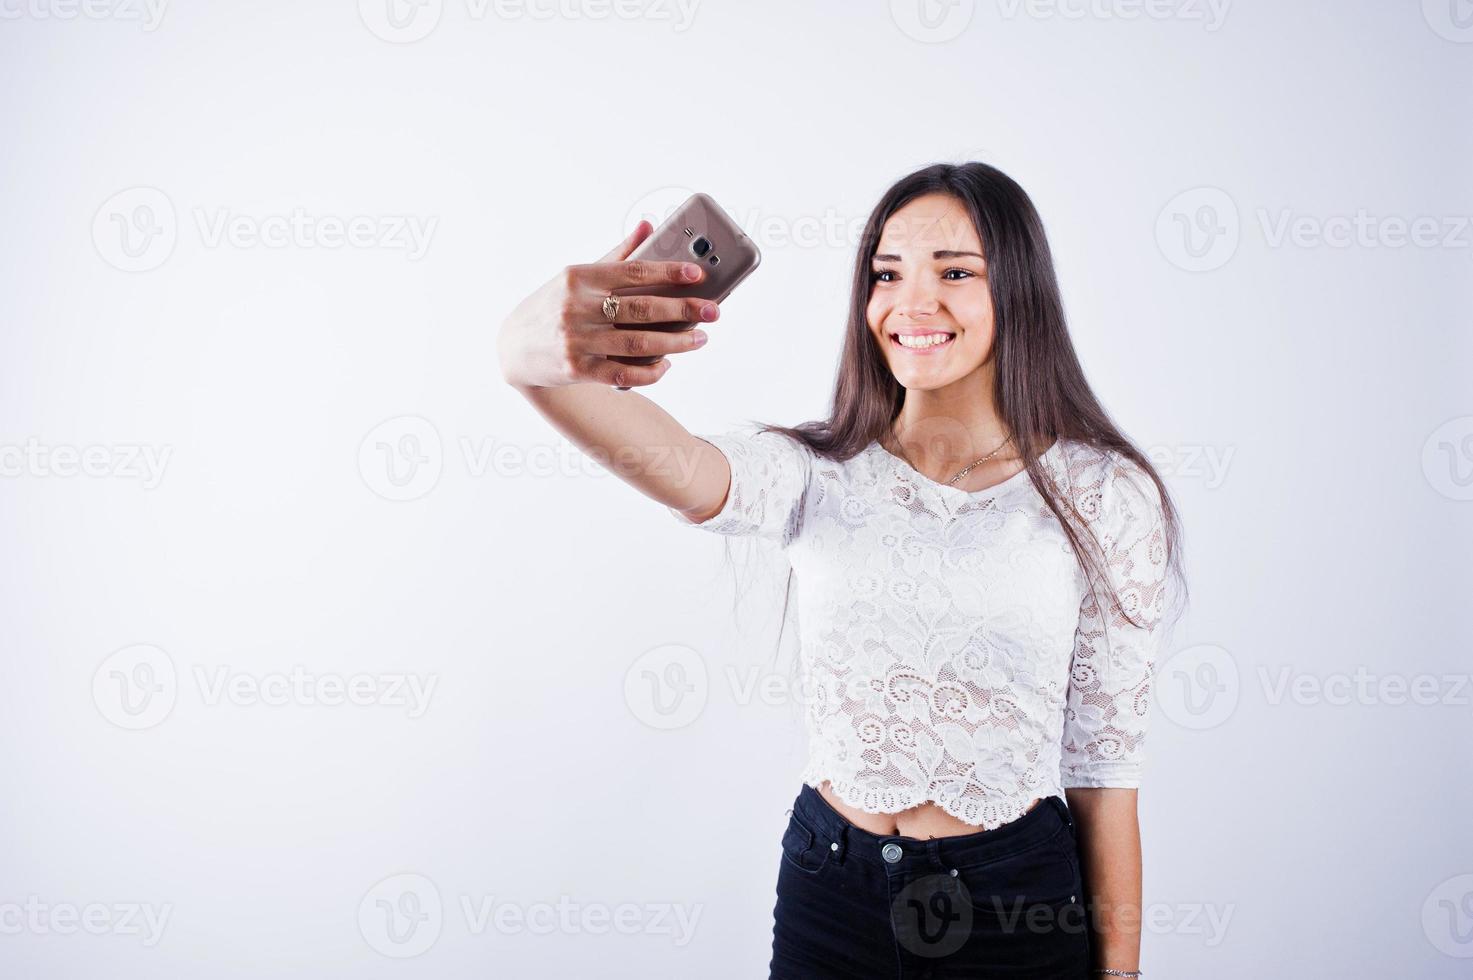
column 1047, row 818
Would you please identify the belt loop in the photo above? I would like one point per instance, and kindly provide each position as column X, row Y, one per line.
column 843, row 842
column 1063, row 808
column 933, row 852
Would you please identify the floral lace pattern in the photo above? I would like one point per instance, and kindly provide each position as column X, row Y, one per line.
column 951, row 647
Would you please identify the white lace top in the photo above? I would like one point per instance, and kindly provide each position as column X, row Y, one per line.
column 950, row 650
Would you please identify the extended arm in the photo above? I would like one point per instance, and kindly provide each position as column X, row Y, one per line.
column 639, row 442
column 554, row 348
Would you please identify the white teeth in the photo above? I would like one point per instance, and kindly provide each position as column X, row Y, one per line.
column 929, row 340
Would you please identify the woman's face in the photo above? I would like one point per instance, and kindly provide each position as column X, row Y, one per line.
column 929, row 308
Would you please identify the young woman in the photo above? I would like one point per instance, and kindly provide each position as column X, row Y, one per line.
column 983, row 564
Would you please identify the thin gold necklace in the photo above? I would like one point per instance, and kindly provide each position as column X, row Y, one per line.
column 964, row 472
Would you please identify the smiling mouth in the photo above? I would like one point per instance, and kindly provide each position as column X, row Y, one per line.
column 925, row 344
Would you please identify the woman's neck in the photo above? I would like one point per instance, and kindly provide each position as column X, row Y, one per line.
column 942, row 431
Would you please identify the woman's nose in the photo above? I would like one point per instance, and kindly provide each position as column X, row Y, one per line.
column 916, row 300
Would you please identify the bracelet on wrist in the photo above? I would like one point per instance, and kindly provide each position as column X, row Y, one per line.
column 1119, row 973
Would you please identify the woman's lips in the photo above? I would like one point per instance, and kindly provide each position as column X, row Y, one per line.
column 930, row 349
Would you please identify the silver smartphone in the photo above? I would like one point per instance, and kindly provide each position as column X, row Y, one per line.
column 697, row 231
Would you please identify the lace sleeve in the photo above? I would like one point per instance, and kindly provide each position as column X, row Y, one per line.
column 769, row 478
column 1110, row 675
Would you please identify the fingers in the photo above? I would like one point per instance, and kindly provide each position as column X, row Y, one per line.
column 626, row 342
column 622, row 375
column 631, row 241
column 588, row 340
column 660, row 309
column 604, row 277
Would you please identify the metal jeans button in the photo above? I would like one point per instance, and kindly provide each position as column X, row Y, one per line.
column 891, row 852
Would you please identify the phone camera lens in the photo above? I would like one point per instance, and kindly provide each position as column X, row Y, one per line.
column 700, row 246
column 714, row 259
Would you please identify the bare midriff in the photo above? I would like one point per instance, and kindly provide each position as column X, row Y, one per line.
column 920, row 822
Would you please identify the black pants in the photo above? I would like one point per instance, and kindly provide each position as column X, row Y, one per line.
column 1007, row 902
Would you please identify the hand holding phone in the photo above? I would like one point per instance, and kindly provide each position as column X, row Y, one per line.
column 697, row 231
column 561, row 334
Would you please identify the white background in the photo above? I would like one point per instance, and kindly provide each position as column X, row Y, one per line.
column 1306, row 396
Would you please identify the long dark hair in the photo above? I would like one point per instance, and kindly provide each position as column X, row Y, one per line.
column 1042, row 394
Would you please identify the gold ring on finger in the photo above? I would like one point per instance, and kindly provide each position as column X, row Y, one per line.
column 611, row 307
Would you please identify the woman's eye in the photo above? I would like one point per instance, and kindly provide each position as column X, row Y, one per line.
column 882, row 275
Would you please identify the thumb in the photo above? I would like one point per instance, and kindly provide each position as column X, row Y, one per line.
column 631, row 241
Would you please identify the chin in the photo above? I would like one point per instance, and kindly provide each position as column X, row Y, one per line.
column 921, row 380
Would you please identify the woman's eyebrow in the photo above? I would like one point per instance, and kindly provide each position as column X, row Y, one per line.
column 943, row 253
